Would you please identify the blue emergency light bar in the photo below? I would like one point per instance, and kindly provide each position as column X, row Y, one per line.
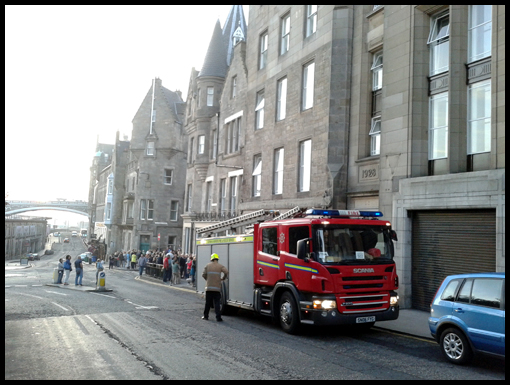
column 344, row 213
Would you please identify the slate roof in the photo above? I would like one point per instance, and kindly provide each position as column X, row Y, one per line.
column 215, row 62
column 234, row 20
column 221, row 48
column 175, row 102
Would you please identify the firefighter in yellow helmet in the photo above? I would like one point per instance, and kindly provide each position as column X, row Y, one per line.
column 212, row 275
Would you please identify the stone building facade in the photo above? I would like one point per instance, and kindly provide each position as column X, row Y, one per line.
column 24, row 235
column 100, row 171
column 152, row 183
column 427, row 97
column 215, row 129
column 398, row 108
column 137, row 186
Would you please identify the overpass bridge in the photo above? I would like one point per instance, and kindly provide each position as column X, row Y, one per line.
column 16, row 207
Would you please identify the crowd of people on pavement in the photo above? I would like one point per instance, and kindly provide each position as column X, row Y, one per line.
column 174, row 265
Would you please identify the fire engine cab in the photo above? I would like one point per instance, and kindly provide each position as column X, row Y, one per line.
column 316, row 267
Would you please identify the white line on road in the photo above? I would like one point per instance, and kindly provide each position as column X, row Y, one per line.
column 54, row 292
column 30, row 295
column 140, row 306
column 104, row 295
column 56, row 304
column 20, row 285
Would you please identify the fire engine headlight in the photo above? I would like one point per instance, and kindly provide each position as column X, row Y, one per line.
column 325, row 304
column 394, row 300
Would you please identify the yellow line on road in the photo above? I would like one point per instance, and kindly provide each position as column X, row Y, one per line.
column 406, row 335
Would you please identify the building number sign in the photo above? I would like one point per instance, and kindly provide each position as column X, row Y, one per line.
column 368, row 173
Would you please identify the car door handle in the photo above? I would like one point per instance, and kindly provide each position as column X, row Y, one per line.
column 459, row 310
column 275, row 259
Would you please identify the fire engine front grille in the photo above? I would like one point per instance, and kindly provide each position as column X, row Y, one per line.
column 368, row 286
column 364, row 278
column 362, row 307
column 364, row 303
column 364, row 299
column 363, row 285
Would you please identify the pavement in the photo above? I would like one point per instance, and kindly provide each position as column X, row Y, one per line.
column 410, row 322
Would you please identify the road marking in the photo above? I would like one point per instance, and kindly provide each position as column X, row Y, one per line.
column 20, row 285
column 30, row 295
column 405, row 335
column 104, row 295
column 140, row 306
column 36, row 285
column 56, row 304
column 54, row 292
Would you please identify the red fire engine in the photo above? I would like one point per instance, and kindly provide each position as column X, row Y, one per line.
column 319, row 267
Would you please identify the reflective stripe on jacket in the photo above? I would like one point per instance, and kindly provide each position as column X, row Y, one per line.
column 212, row 275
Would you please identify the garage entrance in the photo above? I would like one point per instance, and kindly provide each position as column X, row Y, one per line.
column 447, row 242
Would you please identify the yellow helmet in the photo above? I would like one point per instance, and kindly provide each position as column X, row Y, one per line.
column 214, row 256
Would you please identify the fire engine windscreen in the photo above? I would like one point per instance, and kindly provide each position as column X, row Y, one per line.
column 352, row 245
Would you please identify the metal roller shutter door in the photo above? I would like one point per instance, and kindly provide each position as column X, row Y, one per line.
column 447, row 242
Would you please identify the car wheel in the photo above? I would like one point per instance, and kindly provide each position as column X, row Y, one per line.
column 289, row 317
column 455, row 346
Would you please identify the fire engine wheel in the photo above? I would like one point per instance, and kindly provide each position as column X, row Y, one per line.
column 289, row 317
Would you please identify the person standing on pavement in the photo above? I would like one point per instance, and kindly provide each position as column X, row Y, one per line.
column 212, row 275
column 188, row 268
column 78, row 264
column 142, row 262
column 67, row 269
column 176, row 270
column 167, row 271
column 133, row 260
column 111, row 260
column 159, row 259
column 193, row 270
column 60, row 268
column 182, row 265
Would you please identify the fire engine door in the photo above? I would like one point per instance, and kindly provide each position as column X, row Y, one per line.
column 297, row 270
column 268, row 256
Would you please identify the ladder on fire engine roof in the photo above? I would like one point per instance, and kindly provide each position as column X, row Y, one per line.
column 288, row 214
column 245, row 220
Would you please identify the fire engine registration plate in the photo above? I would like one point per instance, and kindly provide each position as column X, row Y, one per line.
column 362, row 320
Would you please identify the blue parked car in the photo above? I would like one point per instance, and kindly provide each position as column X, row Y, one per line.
column 467, row 316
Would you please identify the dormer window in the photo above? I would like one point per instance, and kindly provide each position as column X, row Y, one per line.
column 237, row 36
column 151, row 150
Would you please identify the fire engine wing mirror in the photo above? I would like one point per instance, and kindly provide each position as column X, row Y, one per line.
column 393, row 235
column 303, row 248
